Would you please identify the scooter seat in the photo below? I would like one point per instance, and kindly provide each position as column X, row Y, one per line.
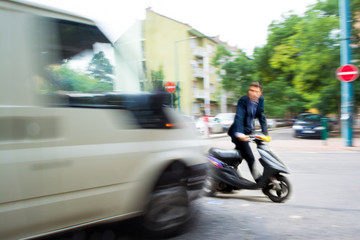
column 229, row 156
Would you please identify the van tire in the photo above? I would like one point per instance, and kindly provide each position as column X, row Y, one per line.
column 168, row 211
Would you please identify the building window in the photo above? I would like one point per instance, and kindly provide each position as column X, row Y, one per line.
column 193, row 43
column 196, row 108
column 210, row 48
column 212, row 88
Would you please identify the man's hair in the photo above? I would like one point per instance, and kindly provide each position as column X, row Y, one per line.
column 256, row 84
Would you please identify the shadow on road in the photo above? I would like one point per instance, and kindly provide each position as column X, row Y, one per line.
column 126, row 230
column 251, row 196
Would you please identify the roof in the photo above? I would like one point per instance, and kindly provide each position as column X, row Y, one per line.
column 192, row 31
column 44, row 10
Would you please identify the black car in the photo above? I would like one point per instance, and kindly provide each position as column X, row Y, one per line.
column 308, row 125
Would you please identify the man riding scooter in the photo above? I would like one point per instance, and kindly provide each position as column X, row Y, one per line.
column 223, row 175
column 249, row 107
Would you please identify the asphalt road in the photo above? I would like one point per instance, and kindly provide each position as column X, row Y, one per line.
column 324, row 203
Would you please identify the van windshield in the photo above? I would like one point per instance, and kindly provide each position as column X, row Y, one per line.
column 74, row 57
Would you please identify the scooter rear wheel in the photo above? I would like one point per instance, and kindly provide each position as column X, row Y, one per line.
column 278, row 195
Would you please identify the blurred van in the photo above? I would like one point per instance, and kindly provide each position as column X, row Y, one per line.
column 74, row 153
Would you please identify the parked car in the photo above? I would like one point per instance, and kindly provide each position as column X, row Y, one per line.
column 271, row 123
column 290, row 122
column 69, row 160
column 308, row 125
column 282, row 123
column 226, row 119
column 212, row 123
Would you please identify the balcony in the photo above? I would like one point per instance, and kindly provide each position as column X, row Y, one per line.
column 198, row 73
column 198, row 51
column 197, row 93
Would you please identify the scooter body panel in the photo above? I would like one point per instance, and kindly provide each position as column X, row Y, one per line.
column 222, row 171
column 228, row 174
column 270, row 160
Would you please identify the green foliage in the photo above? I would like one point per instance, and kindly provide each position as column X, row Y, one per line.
column 101, row 68
column 236, row 70
column 281, row 99
column 158, row 85
column 297, row 65
column 65, row 79
column 157, row 80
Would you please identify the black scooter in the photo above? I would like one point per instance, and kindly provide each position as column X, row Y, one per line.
column 224, row 177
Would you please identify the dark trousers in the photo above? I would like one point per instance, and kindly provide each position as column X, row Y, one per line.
column 248, row 155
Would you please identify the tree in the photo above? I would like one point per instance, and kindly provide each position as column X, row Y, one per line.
column 65, row 79
column 298, row 63
column 157, row 85
column 100, row 68
column 236, row 70
column 157, row 80
column 310, row 54
column 302, row 53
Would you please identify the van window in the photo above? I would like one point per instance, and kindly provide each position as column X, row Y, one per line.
column 74, row 57
column 76, row 68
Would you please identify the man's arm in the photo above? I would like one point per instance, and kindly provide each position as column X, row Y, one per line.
column 261, row 116
column 239, row 127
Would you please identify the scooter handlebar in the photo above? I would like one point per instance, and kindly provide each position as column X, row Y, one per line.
column 259, row 137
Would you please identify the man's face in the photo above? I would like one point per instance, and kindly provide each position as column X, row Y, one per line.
column 254, row 93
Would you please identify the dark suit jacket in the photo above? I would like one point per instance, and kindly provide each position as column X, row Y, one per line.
column 242, row 123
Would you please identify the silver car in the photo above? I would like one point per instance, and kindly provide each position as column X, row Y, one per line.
column 226, row 119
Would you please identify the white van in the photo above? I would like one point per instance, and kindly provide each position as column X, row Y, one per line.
column 71, row 156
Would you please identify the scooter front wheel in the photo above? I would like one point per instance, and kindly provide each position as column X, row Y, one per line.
column 278, row 190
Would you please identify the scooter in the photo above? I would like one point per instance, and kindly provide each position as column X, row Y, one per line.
column 224, row 177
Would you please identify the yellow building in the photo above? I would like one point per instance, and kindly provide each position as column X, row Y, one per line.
column 184, row 55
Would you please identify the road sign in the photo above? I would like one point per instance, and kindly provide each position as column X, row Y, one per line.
column 170, row 87
column 347, row 73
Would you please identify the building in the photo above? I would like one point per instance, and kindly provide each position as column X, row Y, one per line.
column 181, row 53
column 184, row 54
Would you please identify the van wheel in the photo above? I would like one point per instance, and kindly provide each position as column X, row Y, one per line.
column 208, row 188
column 168, row 211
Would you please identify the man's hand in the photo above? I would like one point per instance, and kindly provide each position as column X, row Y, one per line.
column 243, row 138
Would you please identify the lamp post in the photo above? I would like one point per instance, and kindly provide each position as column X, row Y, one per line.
column 176, row 62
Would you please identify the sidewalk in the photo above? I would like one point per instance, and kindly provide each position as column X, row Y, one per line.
column 315, row 145
column 334, row 144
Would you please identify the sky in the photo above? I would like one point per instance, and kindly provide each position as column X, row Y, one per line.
column 241, row 23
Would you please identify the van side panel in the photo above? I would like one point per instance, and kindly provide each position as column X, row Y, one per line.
column 17, row 58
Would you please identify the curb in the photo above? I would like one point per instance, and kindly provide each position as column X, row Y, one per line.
column 220, row 135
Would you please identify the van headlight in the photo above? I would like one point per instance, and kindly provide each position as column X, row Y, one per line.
column 297, row 127
column 319, row 128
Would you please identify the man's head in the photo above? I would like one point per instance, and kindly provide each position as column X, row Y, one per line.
column 255, row 91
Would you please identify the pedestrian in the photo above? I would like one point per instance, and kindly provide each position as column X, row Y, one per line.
column 249, row 107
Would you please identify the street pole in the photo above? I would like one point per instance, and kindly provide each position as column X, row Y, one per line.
column 206, row 64
column 346, row 87
column 176, row 62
